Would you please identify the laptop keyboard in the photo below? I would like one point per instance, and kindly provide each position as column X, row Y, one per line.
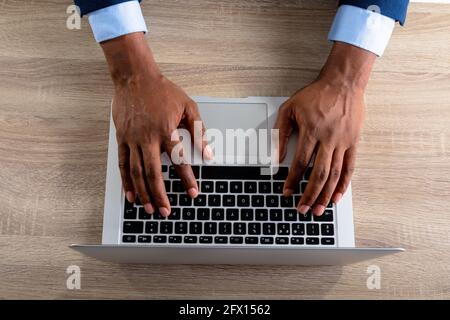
column 236, row 206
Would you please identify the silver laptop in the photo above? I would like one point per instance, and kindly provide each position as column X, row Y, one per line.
column 240, row 215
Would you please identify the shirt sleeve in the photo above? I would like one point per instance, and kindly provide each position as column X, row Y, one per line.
column 363, row 28
column 117, row 20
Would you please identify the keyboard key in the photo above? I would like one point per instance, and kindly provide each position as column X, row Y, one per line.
column 173, row 199
column 181, row 227
column 175, row 214
column 236, row 187
column 254, row 229
column 220, row 240
column 250, row 187
column 172, row 173
column 143, row 215
column 290, row 215
column 164, row 168
column 232, row 214
column 233, row 173
column 330, row 205
column 157, row 215
column 203, row 214
column 167, row 185
column 190, row 239
column 281, row 240
column 236, row 240
column 137, row 201
column 266, row 240
column 296, row 200
column 144, row 239
column 326, row 216
column 151, row 227
column 175, row 239
column 225, row 228
column 133, row 227
column 210, row 227
column 214, row 200
column 188, row 213
column 286, row 202
column 264, row 187
column 257, row 201
column 246, row 214
column 281, row 174
column 327, row 229
column 251, row 240
column 200, row 201
column 130, row 212
column 196, row 171
column 312, row 241
column 276, row 215
column 177, row 186
column 278, row 187
column 207, row 186
column 269, row 228
column 159, row 239
column 327, row 241
column 272, row 201
column 195, row 227
column 218, row 214
column 243, row 200
column 128, row 238
column 185, row 200
column 297, row 240
column 305, row 217
column 166, row 227
column 221, row 186
column 206, row 239
column 283, row 229
column 312, row 229
column 298, row 229
column 228, row 200
column 261, row 215
column 303, row 187
column 239, row 228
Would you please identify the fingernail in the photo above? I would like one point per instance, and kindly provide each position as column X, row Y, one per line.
column 207, row 152
column 318, row 210
column 337, row 197
column 130, row 196
column 288, row 192
column 303, row 209
column 192, row 192
column 164, row 212
column 149, row 208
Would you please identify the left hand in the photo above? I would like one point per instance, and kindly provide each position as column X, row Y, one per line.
column 329, row 114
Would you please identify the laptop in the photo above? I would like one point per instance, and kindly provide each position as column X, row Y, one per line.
column 240, row 215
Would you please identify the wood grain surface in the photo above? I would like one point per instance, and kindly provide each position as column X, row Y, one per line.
column 54, row 112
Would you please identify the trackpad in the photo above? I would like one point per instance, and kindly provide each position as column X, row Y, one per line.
column 236, row 131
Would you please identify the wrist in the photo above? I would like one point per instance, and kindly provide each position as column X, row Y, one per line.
column 129, row 58
column 348, row 67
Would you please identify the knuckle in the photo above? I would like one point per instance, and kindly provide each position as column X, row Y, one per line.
column 322, row 174
column 136, row 171
column 335, row 173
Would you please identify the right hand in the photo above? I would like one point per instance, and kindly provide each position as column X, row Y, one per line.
column 147, row 108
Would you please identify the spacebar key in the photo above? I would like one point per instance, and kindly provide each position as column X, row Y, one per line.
column 234, row 172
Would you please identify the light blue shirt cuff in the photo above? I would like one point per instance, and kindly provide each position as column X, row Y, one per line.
column 117, row 20
column 363, row 28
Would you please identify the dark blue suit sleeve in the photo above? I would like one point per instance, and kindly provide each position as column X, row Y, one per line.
column 395, row 9
column 87, row 6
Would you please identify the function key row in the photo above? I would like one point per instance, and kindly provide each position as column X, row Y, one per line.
column 228, row 240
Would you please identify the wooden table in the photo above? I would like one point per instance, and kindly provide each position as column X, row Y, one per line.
column 54, row 112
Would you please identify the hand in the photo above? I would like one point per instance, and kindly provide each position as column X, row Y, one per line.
column 329, row 115
column 147, row 108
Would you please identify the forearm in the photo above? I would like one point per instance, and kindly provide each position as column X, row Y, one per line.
column 348, row 66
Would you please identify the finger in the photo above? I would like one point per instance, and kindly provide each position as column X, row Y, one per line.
column 319, row 176
column 124, row 167
column 333, row 178
column 137, row 176
column 153, row 176
column 183, row 170
column 303, row 154
column 284, row 126
column 348, row 167
column 194, row 124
